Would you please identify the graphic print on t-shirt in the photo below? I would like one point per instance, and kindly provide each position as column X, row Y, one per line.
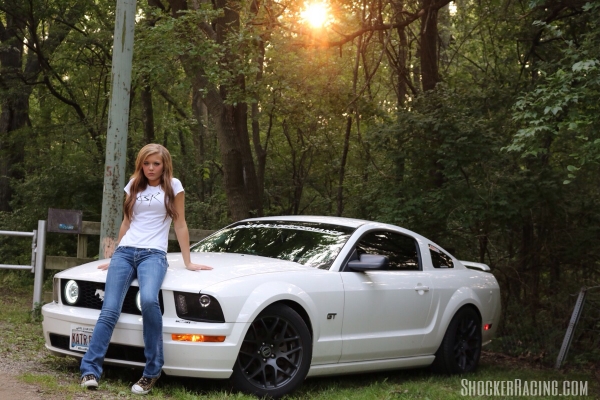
column 148, row 198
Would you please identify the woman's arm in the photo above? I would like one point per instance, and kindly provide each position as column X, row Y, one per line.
column 183, row 234
column 122, row 230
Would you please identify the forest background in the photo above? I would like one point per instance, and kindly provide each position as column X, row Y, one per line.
column 474, row 122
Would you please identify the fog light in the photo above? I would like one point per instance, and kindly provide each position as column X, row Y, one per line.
column 204, row 301
column 71, row 292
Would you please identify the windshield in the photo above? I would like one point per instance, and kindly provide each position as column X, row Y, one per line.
column 311, row 244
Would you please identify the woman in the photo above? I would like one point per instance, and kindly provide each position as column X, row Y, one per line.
column 154, row 199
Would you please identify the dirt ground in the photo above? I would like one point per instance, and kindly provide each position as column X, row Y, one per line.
column 12, row 388
column 17, row 361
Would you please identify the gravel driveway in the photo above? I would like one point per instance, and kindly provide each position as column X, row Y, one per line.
column 27, row 370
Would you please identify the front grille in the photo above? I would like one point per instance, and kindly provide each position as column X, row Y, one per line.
column 90, row 294
column 115, row 351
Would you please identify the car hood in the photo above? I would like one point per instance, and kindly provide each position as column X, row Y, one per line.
column 226, row 266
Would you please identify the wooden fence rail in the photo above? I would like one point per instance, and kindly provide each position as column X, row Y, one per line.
column 89, row 228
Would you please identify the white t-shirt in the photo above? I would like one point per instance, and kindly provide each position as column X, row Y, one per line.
column 148, row 227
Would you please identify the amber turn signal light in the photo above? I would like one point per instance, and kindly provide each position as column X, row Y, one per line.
column 185, row 337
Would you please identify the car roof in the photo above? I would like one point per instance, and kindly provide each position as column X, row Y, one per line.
column 347, row 222
column 343, row 221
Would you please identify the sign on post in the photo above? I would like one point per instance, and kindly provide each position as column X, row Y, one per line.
column 64, row 221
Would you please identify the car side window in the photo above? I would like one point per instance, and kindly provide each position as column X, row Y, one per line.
column 401, row 250
column 439, row 258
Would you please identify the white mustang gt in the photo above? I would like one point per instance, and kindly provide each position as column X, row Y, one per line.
column 295, row 297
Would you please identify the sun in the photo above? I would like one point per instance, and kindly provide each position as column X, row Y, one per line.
column 315, row 14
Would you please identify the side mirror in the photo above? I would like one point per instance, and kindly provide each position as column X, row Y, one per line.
column 368, row 262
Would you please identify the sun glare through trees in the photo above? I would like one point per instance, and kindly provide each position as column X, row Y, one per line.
column 315, row 14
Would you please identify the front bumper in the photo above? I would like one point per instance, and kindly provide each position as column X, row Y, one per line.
column 190, row 359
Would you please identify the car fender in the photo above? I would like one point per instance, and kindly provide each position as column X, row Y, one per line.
column 274, row 291
column 463, row 296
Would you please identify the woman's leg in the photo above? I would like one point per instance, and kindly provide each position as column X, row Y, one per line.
column 151, row 269
column 121, row 273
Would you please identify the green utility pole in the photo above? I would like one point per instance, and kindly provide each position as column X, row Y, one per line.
column 118, row 120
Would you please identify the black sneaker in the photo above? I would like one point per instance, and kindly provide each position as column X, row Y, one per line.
column 89, row 382
column 144, row 385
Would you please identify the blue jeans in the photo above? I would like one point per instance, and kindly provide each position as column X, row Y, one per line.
column 149, row 266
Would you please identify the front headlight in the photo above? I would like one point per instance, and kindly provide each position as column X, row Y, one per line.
column 138, row 301
column 71, row 293
column 198, row 307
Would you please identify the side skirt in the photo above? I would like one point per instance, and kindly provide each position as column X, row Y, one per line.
column 370, row 366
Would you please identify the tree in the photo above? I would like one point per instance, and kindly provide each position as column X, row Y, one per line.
column 561, row 108
column 224, row 98
column 15, row 99
column 41, row 28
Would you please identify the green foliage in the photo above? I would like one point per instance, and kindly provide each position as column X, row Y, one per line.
column 562, row 105
column 443, row 170
column 445, row 175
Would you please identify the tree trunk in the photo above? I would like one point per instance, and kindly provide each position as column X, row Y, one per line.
column 230, row 121
column 346, row 148
column 429, row 46
column 15, row 107
column 232, row 157
column 147, row 114
column 200, row 138
column 259, row 150
column 401, row 57
column 342, row 171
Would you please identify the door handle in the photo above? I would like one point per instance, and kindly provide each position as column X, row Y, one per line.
column 422, row 288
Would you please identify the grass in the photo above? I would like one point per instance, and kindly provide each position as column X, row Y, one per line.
column 58, row 377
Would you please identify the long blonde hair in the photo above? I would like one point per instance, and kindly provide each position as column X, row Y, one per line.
column 140, row 182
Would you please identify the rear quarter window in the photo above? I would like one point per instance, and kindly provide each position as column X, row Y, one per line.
column 439, row 258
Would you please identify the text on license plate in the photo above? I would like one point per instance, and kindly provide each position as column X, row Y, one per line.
column 80, row 337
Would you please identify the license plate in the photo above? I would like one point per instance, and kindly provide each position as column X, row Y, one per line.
column 80, row 337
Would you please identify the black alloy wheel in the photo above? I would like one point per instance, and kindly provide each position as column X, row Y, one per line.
column 275, row 355
column 461, row 348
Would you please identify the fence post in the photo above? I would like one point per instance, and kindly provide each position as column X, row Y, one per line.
column 33, row 250
column 38, row 279
column 571, row 329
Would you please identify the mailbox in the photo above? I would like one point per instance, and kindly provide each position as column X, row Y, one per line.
column 64, row 221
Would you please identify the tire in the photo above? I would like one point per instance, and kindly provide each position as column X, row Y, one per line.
column 461, row 347
column 275, row 355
